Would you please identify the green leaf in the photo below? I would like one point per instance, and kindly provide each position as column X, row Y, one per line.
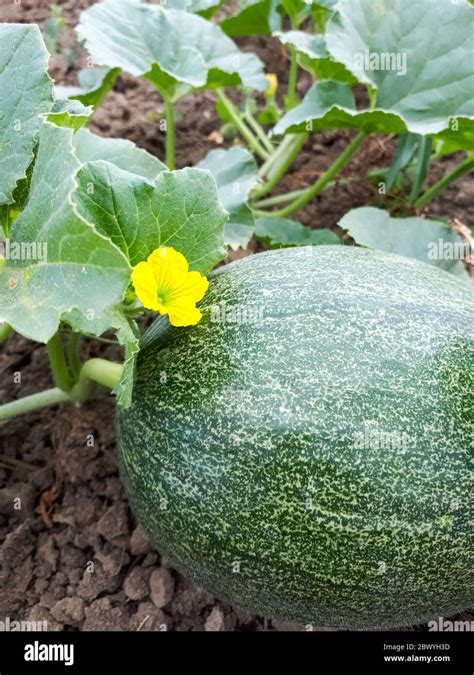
column 314, row 56
column 94, row 85
column 264, row 17
column 205, row 8
column 326, row 105
column 169, row 47
column 431, row 241
column 66, row 265
column 26, row 91
column 419, row 83
column 128, row 336
column 282, row 233
column 181, row 210
column 326, row 4
column 429, row 57
column 256, row 18
column 123, row 153
column 458, row 136
column 331, row 105
column 235, row 173
column 404, row 151
column 69, row 113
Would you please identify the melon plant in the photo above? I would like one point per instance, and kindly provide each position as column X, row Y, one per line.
column 306, row 450
column 299, row 440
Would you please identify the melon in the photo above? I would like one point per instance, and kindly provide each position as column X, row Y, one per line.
column 306, row 450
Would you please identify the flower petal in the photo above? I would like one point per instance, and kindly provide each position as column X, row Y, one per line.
column 168, row 265
column 145, row 285
column 183, row 312
column 193, row 285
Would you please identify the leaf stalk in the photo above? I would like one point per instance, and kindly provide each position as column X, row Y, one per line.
column 59, row 367
column 446, row 180
column 234, row 114
column 323, row 181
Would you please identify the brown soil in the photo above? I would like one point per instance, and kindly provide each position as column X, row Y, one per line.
column 71, row 551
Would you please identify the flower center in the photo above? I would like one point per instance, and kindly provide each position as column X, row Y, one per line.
column 163, row 296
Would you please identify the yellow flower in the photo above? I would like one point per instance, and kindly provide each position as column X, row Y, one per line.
column 164, row 284
column 272, row 85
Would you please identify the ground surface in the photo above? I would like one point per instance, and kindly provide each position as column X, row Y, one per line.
column 73, row 553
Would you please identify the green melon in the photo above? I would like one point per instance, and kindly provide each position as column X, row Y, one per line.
column 306, row 450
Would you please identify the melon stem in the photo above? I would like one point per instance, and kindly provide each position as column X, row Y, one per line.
column 94, row 374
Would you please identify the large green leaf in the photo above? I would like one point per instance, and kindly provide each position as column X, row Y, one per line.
column 79, row 270
column 121, row 152
column 419, row 83
column 255, row 18
column 327, row 105
column 314, row 56
column 26, row 91
column 281, row 233
column 431, row 241
column 170, row 47
column 235, row 173
column 181, row 210
column 264, row 17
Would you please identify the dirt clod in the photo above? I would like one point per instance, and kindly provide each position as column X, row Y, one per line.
column 161, row 587
column 100, row 615
column 139, row 544
column 69, row 610
column 215, row 620
column 135, row 585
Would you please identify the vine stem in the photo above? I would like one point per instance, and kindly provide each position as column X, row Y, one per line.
column 289, row 196
column 170, row 133
column 34, row 402
column 291, row 97
column 278, row 199
column 273, row 160
column 96, row 371
column 93, row 372
column 284, row 165
column 446, row 180
column 241, row 126
column 321, row 183
column 262, row 136
column 5, row 331
column 57, row 360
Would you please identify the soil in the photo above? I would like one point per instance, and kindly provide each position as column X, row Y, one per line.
column 71, row 552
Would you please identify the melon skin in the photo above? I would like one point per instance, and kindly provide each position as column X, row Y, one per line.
column 250, row 455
